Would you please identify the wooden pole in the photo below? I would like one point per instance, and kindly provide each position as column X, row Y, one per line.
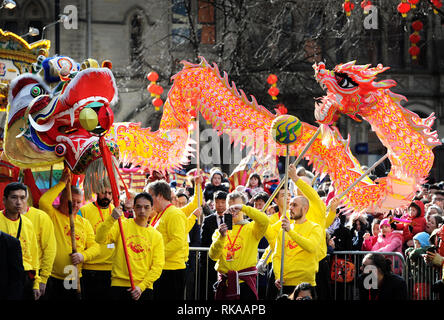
column 199, row 220
column 106, row 156
column 284, row 214
column 73, row 231
column 343, row 193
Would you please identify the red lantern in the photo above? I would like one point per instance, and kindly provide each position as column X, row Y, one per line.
column 417, row 25
column 273, row 91
column 414, row 51
column 157, row 103
column 151, row 88
column 403, row 8
column 413, row 3
column 437, row 4
column 348, row 7
column 365, row 5
column 158, row 90
column 414, row 38
column 272, row 79
column 152, row 76
column 281, row 109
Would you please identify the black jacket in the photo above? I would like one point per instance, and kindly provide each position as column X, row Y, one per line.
column 211, row 189
column 11, row 268
column 393, row 287
column 209, row 225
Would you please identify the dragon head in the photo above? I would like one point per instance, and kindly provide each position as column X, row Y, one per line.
column 347, row 86
column 58, row 113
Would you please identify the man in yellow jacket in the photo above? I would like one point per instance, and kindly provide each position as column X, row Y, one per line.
column 14, row 223
column 145, row 251
column 304, row 239
column 235, row 251
column 171, row 222
column 46, row 241
column 62, row 282
column 97, row 272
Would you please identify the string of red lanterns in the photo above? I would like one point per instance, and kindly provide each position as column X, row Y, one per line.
column 155, row 90
column 403, row 7
column 274, row 90
column 415, row 38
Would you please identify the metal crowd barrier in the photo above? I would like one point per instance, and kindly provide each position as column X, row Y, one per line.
column 419, row 277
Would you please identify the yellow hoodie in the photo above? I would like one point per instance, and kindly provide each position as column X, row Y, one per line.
column 237, row 250
column 316, row 213
column 85, row 243
column 301, row 253
column 28, row 242
column 172, row 224
column 46, row 240
column 145, row 251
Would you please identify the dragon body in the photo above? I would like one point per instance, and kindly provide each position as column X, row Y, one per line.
column 351, row 90
column 44, row 125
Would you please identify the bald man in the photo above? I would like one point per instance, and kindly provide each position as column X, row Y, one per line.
column 302, row 240
column 304, row 237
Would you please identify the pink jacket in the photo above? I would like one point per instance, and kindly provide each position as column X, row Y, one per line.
column 391, row 243
column 368, row 244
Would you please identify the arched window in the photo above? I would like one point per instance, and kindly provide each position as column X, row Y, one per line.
column 27, row 14
column 136, row 36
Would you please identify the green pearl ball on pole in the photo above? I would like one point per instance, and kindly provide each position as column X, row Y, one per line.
column 286, row 129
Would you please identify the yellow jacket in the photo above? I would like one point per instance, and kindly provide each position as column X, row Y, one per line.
column 28, row 242
column 189, row 208
column 240, row 244
column 145, row 251
column 84, row 234
column 301, row 253
column 44, row 230
column 316, row 213
column 172, row 224
column 270, row 235
column 91, row 212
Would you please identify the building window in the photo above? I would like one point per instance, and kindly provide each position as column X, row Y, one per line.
column 206, row 22
column 136, row 37
column 193, row 21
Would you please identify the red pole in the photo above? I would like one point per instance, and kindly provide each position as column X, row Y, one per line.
column 106, row 155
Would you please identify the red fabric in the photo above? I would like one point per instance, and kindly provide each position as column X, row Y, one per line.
column 419, row 223
column 30, row 182
column 368, row 244
column 226, row 287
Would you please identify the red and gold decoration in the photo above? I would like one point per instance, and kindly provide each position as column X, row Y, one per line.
column 413, row 3
column 348, row 7
column 437, row 5
column 17, row 56
column 403, row 8
column 155, row 90
column 365, row 5
column 415, row 38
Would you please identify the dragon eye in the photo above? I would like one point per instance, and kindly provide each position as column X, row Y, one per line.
column 36, row 91
column 344, row 81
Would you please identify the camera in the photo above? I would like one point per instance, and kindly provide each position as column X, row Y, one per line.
column 432, row 249
column 228, row 219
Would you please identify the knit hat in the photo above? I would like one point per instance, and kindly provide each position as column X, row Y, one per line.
column 419, row 205
column 385, row 221
column 423, row 238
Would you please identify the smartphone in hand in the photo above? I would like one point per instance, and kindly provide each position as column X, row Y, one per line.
column 228, row 218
